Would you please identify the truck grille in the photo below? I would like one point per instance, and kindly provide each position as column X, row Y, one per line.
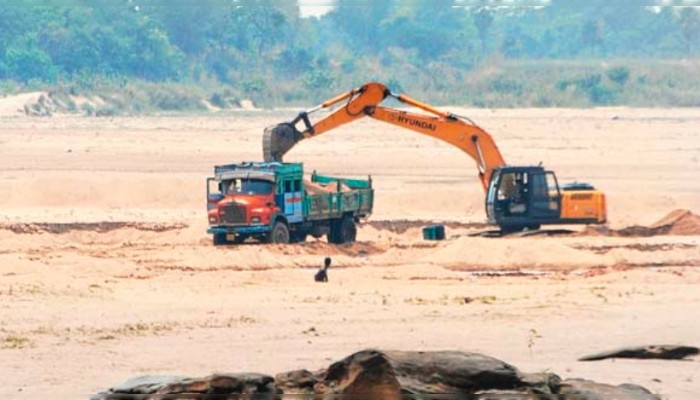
column 233, row 214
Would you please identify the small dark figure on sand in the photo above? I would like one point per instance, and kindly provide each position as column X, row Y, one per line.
column 322, row 274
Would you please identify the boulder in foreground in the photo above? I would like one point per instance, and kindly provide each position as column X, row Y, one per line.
column 386, row 375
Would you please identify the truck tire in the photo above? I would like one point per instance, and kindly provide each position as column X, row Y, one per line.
column 348, row 230
column 343, row 231
column 279, row 233
column 333, row 235
column 219, row 239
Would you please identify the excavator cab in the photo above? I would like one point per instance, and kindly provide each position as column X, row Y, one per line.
column 523, row 197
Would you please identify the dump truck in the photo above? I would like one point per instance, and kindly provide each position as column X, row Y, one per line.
column 272, row 202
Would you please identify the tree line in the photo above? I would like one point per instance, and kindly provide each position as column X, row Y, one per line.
column 265, row 46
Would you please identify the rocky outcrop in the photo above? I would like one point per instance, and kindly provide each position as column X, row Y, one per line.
column 580, row 389
column 647, row 352
column 217, row 384
column 386, row 375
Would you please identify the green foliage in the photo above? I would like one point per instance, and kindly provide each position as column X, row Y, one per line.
column 318, row 79
column 253, row 86
column 438, row 50
column 619, row 75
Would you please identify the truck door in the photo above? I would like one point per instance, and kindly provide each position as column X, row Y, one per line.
column 214, row 193
column 293, row 200
column 545, row 200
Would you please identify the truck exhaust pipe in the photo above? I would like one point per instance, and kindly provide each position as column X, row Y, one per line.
column 278, row 140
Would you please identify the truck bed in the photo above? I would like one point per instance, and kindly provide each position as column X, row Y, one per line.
column 330, row 197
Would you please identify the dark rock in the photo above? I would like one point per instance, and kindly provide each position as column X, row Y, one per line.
column 453, row 371
column 394, row 372
column 647, row 352
column 211, row 385
column 146, row 384
column 541, row 383
column 367, row 372
column 506, row 395
column 634, row 388
column 580, row 389
column 384, row 375
column 299, row 379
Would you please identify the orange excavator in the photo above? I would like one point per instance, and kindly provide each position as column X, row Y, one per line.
column 517, row 197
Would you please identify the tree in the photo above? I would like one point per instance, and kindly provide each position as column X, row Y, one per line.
column 593, row 34
column 360, row 25
column 483, row 19
column 690, row 27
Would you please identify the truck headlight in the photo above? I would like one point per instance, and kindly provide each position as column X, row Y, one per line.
column 255, row 220
column 212, row 220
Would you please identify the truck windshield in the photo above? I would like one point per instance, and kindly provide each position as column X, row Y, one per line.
column 248, row 186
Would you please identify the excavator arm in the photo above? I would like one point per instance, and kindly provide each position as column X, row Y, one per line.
column 365, row 102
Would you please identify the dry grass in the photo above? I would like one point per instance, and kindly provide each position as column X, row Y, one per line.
column 447, row 300
column 15, row 342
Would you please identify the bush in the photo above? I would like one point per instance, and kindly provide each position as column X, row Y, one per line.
column 319, row 79
column 255, row 85
column 175, row 100
column 603, row 94
column 589, row 82
column 619, row 75
column 506, row 86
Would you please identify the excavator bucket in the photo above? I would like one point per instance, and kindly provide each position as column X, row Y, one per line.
column 278, row 140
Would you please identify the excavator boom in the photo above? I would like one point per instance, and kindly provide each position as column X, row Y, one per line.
column 365, row 102
column 517, row 197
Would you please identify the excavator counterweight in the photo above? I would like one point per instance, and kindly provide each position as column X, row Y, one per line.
column 516, row 197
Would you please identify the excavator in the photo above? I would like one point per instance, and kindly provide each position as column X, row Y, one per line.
column 518, row 198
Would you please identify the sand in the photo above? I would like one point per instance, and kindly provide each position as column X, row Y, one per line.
column 106, row 271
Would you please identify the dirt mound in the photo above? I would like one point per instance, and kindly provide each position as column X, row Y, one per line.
column 680, row 222
column 677, row 223
column 100, row 227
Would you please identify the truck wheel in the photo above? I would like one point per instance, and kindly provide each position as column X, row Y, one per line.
column 348, row 230
column 219, row 239
column 343, row 231
column 333, row 235
column 279, row 233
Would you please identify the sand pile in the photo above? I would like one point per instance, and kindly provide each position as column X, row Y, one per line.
column 15, row 105
column 314, row 188
column 679, row 222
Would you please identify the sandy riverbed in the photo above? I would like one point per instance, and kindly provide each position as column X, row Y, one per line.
column 85, row 305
